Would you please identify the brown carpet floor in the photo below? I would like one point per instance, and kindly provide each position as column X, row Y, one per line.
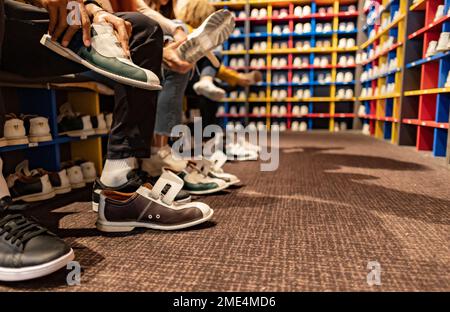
column 336, row 202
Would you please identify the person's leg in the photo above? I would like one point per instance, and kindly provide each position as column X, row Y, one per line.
column 168, row 115
column 135, row 109
column 205, row 85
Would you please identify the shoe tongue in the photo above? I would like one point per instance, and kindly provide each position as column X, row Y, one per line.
column 104, row 40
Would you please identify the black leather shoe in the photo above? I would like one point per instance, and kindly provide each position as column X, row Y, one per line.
column 28, row 250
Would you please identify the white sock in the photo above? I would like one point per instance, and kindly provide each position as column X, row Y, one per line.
column 115, row 171
column 4, row 190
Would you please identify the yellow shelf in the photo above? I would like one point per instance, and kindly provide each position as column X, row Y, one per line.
column 379, row 97
column 429, row 91
column 379, row 35
column 234, row 52
column 319, row 99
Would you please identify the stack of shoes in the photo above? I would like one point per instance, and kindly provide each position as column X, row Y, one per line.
column 74, row 124
column 16, row 129
column 152, row 207
column 99, row 124
column 80, row 172
column 30, row 188
column 59, row 180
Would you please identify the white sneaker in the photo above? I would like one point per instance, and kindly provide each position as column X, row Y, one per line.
column 39, row 130
column 342, row 43
column 215, row 163
column 295, row 126
column 76, row 178
column 431, row 48
column 211, row 34
column 304, row 110
column 209, row 90
column 106, row 57
column 366, row 129
column 303, row 126
column 296, row 110
column 89, row 172
column 236, row 151
column 298, row 11
column 162, row 159
column 14, row 132
column 340, row 77
column 109, row 120
column 439, row 12
column 443, row 42
column 99, row 124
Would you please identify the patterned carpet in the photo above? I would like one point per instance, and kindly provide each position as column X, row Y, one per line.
column 336, row 202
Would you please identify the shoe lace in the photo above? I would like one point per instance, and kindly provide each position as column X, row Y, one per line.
column 22, row 231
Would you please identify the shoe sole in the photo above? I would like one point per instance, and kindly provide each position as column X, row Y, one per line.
column 36, row 197
column 38, row 139
column 111, row 227
column 101, row 131
column 17, row 141
column 221, row 188
column 78, row 133
column 178, row 202
column 78, row 185
column 215, row 31
column 27, row 273
column 69, row 54
column 62, row 190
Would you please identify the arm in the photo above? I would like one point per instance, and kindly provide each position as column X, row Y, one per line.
column 166, row 24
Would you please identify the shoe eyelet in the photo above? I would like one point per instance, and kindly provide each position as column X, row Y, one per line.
column 150, row 217
column 158, row 216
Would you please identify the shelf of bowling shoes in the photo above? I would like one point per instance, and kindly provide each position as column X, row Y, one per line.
column 429, row 27
column 418, row 6
column 238, row 3
column 311, row 50
column 319, row 99
column 383, row 32
column 433, row 58
column 391, row 72
column 426, row 123
column 392, row 48
column 313, row 83
column 365, row 116
column 379, row 97
column 427, row 91
column 240, row 52
column 290, row 67
column 231, row 115
column 380, row 13
column 57, row 140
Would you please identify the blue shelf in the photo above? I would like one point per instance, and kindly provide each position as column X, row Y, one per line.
column 433, row 58
column 392, row 72
column 55, row 141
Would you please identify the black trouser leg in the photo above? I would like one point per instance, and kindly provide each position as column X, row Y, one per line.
column 134, row 110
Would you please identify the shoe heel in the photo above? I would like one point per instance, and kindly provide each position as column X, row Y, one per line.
column 113, row 228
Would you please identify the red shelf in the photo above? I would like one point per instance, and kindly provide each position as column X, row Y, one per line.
column 426, row 123
column 429, row 27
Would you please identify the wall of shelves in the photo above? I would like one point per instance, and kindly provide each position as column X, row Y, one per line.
column 291, row 61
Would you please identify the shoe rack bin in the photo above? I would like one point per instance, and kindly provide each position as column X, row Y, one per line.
column 306, row 51
column 404, row 60
column 50, row 155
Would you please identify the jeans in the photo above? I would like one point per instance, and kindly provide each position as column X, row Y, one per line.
column 170, row 101
column 134, row 110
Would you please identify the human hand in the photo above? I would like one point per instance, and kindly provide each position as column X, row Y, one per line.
column 58, row 11
column 172, row 60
